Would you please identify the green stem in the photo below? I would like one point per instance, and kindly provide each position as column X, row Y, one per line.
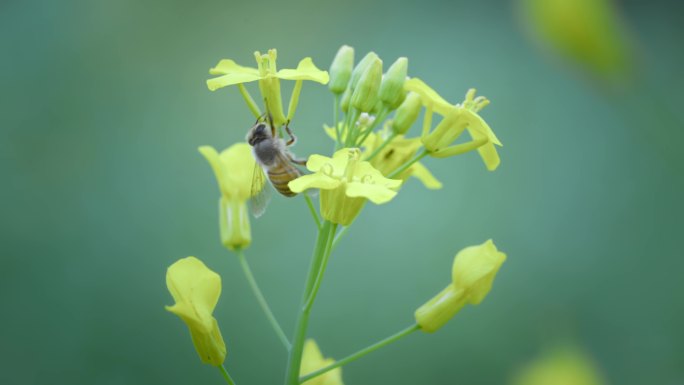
column 262, row 300
column 361, row 352
column 250, row 102
column 408, row 164
column 321, row 270
column 385, row 143
column 314, row 214
column 338, row 130
column 320, row 250
column 226, row 376
column 350, row 124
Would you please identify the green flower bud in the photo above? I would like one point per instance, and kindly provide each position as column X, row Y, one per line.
column 360, row 68
column 365, row 95
column 341, row 69
column 392, row 86
column 407, row 113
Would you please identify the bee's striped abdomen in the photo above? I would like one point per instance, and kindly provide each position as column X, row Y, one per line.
column 280, row 175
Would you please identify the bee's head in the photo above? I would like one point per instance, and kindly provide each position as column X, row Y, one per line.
column 260, row 131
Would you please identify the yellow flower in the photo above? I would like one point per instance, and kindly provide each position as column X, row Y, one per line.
column 565, row 365
column 196, row 290
column 399, row 151
column 346, row 183
column 269, row 80
column 473, row 273
column 456, row 119
column 234, row 169
column 312, row 360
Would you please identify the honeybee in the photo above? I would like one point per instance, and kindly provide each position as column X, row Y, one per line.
column 275, row 159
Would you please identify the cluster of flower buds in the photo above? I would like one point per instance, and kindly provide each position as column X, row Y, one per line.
column 364, row 89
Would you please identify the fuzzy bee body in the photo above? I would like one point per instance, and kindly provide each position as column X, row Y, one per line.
column 276, row 161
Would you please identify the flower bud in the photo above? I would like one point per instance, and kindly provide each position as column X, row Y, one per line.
column 361, row 68
column 365, row 95
column 407, row 113
column 392, row 87
column 473, row 273
column 234, row 224
column 341, row 69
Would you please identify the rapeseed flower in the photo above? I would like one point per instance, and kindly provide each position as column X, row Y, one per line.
column 473, row 273
column 196, row 290
column 346, row 183
column 234, row 169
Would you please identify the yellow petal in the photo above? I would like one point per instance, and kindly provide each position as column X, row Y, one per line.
column 214, row 160
column 193, row 285
column 234, row 169
column 312, row 360
column 306, row 70
column 419, row 171
column 429, row 96
column 337, row 164
column 376, row 193
column 317, row 180
column 475, row 122
column 475, row 268
column 240, row 166
column 230, row 79
column 227, row 66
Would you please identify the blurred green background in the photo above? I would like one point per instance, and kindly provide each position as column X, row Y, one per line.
column 104, row 104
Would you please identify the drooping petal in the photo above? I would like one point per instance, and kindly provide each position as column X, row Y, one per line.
column 429, row 96
column 375, row 193
column 306, row 70
column 475, row 122
column 420, row 172
column 478, row 129
column 317, row 180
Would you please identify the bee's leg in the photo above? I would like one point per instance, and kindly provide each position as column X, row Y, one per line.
column 301, row 162
column 293, row 139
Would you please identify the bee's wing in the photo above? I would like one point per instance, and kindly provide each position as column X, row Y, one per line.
column 260, row 194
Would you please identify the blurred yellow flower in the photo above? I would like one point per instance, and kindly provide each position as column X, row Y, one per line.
column 456, row 119
column 234, row 168
column 565, row 365
column 346, row 183
column 473, row 273
column 196, row 290
column 312, row 360
column 589, row 32
column 399, row 151
column 269, row 80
